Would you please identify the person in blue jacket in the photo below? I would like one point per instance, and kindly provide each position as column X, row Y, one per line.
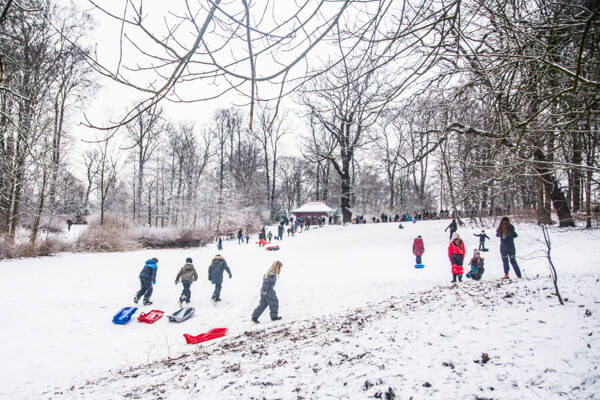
column 452, row 228
column 147, row 280
column 215, row 275
column 507, row 234
column 268, row 297
column 482, row 236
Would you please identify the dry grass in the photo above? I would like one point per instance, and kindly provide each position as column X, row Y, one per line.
column 112, row 236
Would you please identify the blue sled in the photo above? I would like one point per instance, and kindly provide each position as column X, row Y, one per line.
column 419, row 266
column 124, row 315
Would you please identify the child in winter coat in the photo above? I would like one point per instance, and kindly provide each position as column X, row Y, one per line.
column 476, row 264
column 187, row 274
column 453, row 228
column 482, row 236
column 147, row 280
column 418, row 248
column 456, row 254
column 268, row 297
column 215, row 275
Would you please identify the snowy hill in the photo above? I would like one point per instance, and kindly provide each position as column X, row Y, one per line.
column 359, row 321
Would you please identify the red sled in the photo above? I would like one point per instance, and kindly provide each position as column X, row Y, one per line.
column 203, row 337
column 151, row 316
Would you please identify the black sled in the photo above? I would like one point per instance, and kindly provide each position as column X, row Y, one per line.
column 182, row 314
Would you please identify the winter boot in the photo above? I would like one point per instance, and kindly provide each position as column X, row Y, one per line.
column 255, row 321
column 460, row 277
column 453, row 278
column 506, row 276
column 276, row 318
column 147, row 302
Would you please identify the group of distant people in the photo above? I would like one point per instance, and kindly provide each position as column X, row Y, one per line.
column 456, row 251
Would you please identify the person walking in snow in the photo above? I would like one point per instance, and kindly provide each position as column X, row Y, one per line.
column 280, row 232
column 268, row 297
column 215, row 275
column 507, row 234
column 452, row 228
column 418, row 248
column 187, row 274
column 240, row 237
column 482, row 236
column 147, row 280
column 476, row 264
column 456, row 254
column 220, row 243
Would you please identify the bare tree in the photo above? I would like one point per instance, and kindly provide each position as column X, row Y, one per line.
column 146, row 132
column 268, row 131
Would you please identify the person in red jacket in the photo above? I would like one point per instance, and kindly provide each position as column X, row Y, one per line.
column 418, row 248
column 456, row 254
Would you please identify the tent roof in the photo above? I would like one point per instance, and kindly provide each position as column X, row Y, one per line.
column 313, row 207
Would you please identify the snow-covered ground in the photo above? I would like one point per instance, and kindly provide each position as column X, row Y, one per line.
column 358, row 321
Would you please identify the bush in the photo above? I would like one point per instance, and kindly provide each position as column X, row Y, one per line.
column 169, row 238
column 23, row 249
column 112, row 236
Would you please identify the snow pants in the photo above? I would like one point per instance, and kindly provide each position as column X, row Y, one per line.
column 217, row 293
column 267, row 299
column 481, row 245
column 146, row 289
column 186, row 293
column 457, row 261
column 418, row 259
column 509, row 256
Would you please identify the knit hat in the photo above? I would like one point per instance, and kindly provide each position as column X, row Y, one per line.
column 477, row 253
column 155, row 259
column 188, row 260
column 455, row 235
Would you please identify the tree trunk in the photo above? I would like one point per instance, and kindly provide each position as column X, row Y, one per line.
column 40, row 209
column 556, row 195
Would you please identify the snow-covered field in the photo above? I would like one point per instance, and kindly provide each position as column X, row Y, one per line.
column 358, row 321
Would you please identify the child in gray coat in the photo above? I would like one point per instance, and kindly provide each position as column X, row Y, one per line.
column 268, row 297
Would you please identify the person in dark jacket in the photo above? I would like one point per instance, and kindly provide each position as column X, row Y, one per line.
column 482, row 236
column 280, row 232
column 215, row 275
column 220, row 243
column 506, row 233
column 418, row 248
column 240, row 237
column 268, row 297
column 452, row 228
column 476, row 264
column 456, row 254
column 147, row 280
column 187, row 274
